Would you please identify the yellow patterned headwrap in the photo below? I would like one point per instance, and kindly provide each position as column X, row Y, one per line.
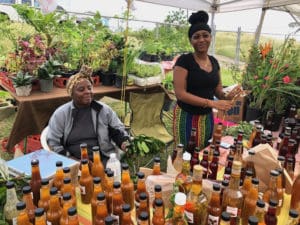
column 84, row 73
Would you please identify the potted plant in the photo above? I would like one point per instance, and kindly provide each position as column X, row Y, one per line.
column 46, row 74
column 271, row 76
column 22, row 83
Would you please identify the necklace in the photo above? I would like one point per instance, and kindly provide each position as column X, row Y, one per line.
column 204, row 64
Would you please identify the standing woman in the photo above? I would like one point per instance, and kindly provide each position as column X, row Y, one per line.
column 196, row 81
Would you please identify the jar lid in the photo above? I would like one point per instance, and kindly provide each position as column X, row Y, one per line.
column 10, row 184
column 125, row 166
column 112, row 155
column 126, row 208
column 34, row 162
column 180, row 198
column 39, row 212
column 101, row 196
column 253, row 220
column 158, row 202
column 83, row 145
column 109, row 220
column 66, row 169
column 67, row 196
column 72, row 211
column 293, row 213
column 225, row 216
column 59, row 163
column 96, row 180
column 186, row 156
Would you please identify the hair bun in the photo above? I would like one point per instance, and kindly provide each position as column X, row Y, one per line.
column 86, row 71
column 199, row 17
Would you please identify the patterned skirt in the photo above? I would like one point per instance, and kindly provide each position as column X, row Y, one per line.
column 183, row 123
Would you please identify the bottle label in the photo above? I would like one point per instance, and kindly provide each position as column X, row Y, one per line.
column 233, row 211
column 212, row 220
column 14, row 221
column 116, row 218
column 190, row 216
column 82, row 190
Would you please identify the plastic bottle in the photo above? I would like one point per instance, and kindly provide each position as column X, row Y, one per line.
column 127, row 186
column 114, row 164
column 35, row 182
column 86, row 183
column 156, row 166
column 96, row 191
column 72, row 216
column 59, row 176
column 101, row 212
column 22, row 218
column 9, row 210
column 55, row 211
column 97, row 167
column 27, row 198
column 40, row 218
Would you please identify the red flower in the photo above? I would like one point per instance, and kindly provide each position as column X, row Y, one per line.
column 267, row 77
column 286, row 79
column 255, row 77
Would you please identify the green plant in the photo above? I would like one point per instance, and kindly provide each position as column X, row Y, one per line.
column 48, row 70
column 168, row 81
column 21, row 79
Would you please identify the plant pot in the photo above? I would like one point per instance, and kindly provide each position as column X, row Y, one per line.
column 119, row 81
column 252, row 114
column 23, row 90
column 46, row 85
column 107, row 79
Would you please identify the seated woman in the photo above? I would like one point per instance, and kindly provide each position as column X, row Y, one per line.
column 84, row 120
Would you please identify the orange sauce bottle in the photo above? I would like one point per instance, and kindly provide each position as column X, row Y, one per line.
column 55, row 211
column 45, row 195
column 143, row 207
column 126, row 217
column 97, row 190
column 101, row 212
column 27, row 198
column 214, row 209
column 69, row 188
column 67, row 203
column 72, row 216
column 23, row 216
column 127, row 186
column 97, row 169
column 157, row 195
column 156, row 166
column 86, row 183
column 117, row 201
column 59, row 176
column 158, row 215
column 40, row 218
column 141, row 187
column 35, row 182
column 84, row 155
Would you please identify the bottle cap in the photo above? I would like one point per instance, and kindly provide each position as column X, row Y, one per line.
column 26, row 189
column 273, row 203
column 274, row 173
column 290, row 160
column 205, row 152
column 72, row 211
column 143, row 196
column 230, row 157
column 96, row 180
column 225, row 183
column 260, row 203
column 225, row 216
column 126, row 208
column 101, row 196
column 106, row 170
column 59, row 163
column 10, row 184
column 112, row 155
column 125, row 166
column 67, row 180
column 293, row 213
column 67, row 196
column 34, row 162
column 158, row 202
column 156, row 159
column 180, row 198
column 84, row 161
column 249, row 173
column 39, row 212
column 186, row 156
column 83, row 145
column 216, row 187
column 255, row 181
column 281, row 158
column 253, row 220
column 157, row 188
column 109, row 220
column 140, row 175
column 216, row 154
column 197, row 168
column 279, row 170
column 110, row 173
column 66, row 169
column 251, row 152
column 180, row 146
column 95, row 148
column 53, row 191
column 117, row 184
column 143, row 216
column 21, row 205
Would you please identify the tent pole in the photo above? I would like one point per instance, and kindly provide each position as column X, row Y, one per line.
column 213, row 33
column 259, row 27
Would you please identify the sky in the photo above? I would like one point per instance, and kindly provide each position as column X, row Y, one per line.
column 274, row 23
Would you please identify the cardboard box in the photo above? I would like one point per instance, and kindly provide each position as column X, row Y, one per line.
column 235, row 114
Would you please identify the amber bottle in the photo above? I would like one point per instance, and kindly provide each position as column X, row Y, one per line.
column 143, row 218
column 126, row 216
column 59, row 176
column 195, row 158
column 257, row 138
column 67, row 203
column 253, row 134
column 295, row 194
column 214, row 209
column 35, row 182
column 196, row 200
column 117, row 201
column 217, row 135
column 96, row 190
column 232, row 197
column 183, row 179
column 10, row 212
column 143, row 207
column 157, row 195
column 213, row 166
column 178, row 217
column 55, row 211
column 101, row 212
column 97, row 169
column 250, row 201
column 156, row 166
column 289, row 167
column 45, row 195
column 127, row 186
column 158, row 215
column 224, row 186
column 271, row 192
column 69, row 188
column 204, row 163
column 86, row 183
column 22, row 214
column 72, row 216
column 280, row 190
column 227, row 170
column 141, row 187
column 250, row 162
column 40, row 218
column 67, row 172
column 191, row 145
column 283, row 146
column 270, row 216
column 27, row 198
column 177, row 163
column 260, row 211
column 247, row 184
column 109, row 190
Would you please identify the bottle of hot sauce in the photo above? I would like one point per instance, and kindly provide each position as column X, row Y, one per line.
column 214, row 209
column 40, row 218
column 22, row 216
column 213, row 166
column 109, row 190
column 97, row 167
column 45, row 195
column 157, row 195
column 127, row 186
column 204, row 163
column 195, row 158
column 101, row 212
column 158, row 215
column 69, row 188
column 86, row 183
column 72, row 216
column 192, row 142
column 96, row 191
column 184, row 179
column 27, row 198
column 126, row 217
column 156, row 166
column 55, row 211
column 67, row 203
column 117, row 201
column 143, row 207
column 141, row 187
column 35, row 182
column 270, row 216
column 59, row 176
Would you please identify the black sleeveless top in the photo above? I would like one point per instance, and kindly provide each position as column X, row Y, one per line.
column 199, row 82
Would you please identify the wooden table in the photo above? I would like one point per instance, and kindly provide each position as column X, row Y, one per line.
column 35, row 110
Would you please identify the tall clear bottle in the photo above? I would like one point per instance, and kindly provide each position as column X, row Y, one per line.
column 179, row 158
column 35, row 182
column 9, row 210
column 184, row 179
column 232, row 201
column 114, row 164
